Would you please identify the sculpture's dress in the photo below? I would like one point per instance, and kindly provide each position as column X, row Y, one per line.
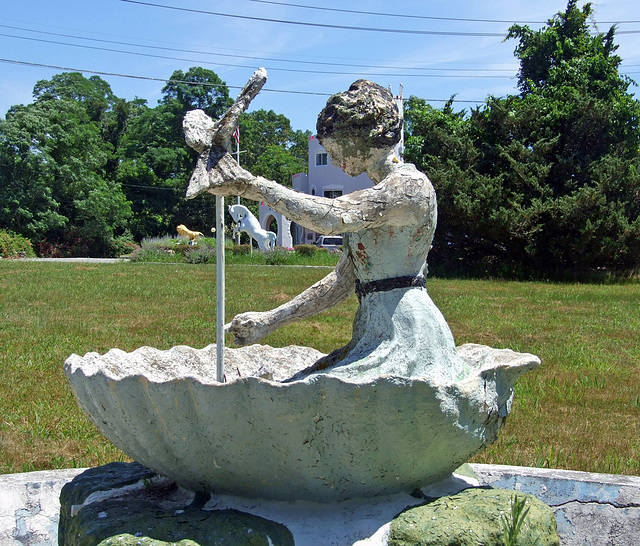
column 398, row 330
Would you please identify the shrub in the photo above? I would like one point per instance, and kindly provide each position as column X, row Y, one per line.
column 181, row 248
column 240, row 250
column 175, row 250
column 50, row 249
column 82, row 246
column 308, row 251
column 200, row 254
column 208, row 241
column 155, row 255
column 122, row 245
column 15, row 246
column 277, row 256
column 158, row 243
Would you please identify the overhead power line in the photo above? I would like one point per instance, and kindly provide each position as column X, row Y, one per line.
column 169, row 80
column 412, row 16
column 274, row 69
column 321, row 25
column 395, row 15
column 249, row 57
column 338, row 27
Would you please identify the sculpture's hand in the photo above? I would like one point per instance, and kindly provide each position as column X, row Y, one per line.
column 216, row 170
column 249, row 327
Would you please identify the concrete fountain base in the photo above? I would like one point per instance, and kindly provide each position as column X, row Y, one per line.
column 590, row 509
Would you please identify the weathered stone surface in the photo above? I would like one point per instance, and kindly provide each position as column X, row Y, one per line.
column 30, row 506
column 128, row 504
column 590, row 509
column 473, row 516
column 322, row 438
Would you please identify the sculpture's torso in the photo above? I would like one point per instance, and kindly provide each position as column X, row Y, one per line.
column 387, row 252
column 399, row 246
column 399, row 331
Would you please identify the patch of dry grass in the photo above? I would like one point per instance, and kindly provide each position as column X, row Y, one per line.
column 580, row 410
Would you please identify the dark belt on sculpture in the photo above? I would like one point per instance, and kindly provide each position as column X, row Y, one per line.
column 384, row 285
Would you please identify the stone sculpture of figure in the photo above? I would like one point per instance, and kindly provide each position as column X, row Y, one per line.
column 388, row 232
column 184, row 231
column 397, row 408
column 247, row 222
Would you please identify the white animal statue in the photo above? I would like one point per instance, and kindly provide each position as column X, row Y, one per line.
column 247, row 222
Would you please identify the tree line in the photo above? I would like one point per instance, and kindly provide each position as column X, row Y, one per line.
column 84, row 172
column 542, row 183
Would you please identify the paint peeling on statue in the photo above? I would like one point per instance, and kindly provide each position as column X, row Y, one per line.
column 399, row 407
column 247, row 222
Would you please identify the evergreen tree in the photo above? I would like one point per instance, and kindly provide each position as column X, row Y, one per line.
column 543, row 182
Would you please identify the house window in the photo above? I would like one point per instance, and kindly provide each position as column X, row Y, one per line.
column 332, row 193
column 321, row 159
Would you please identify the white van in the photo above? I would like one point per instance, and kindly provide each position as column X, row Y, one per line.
column 332, row 242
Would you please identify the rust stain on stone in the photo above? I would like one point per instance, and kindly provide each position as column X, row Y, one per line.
column 361, row 254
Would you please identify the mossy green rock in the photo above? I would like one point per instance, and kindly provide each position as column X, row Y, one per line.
column 475, row 517
column 130, row 540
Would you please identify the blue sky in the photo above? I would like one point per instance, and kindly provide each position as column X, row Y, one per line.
column 444, row 48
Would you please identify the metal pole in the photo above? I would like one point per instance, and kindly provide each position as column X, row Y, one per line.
column 238, row 162
column 220, row 288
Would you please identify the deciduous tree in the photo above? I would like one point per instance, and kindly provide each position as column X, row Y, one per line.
column 53, row 182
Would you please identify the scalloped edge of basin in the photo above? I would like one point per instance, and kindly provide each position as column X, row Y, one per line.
column 321, row 438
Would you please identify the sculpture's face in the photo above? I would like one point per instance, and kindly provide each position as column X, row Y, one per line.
column 350, row 157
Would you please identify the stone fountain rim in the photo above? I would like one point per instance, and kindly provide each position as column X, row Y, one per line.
column 76, row 362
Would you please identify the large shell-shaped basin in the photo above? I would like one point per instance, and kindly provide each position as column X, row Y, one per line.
column 321, row 438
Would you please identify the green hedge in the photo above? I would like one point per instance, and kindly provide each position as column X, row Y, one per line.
column 241, row 250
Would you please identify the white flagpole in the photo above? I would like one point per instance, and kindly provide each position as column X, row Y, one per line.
column 222, row 132
column 238, row 162
column 220, row 289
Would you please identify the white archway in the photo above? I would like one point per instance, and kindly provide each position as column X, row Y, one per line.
column 283, row 224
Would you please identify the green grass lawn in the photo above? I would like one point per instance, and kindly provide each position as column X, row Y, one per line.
column 580, row 410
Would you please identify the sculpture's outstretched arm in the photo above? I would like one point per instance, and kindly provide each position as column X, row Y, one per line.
column 337, row 286
column 404, row 198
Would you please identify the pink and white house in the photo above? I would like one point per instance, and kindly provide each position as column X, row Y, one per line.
column 323, row 179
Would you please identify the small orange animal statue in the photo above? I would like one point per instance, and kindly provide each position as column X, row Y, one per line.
column 184, row 231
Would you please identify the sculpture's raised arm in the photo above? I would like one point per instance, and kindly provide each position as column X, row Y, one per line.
column 398, row 201
column 202, row 133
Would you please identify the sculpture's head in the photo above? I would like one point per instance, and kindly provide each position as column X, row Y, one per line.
column 360, row 126
column 238, row 212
